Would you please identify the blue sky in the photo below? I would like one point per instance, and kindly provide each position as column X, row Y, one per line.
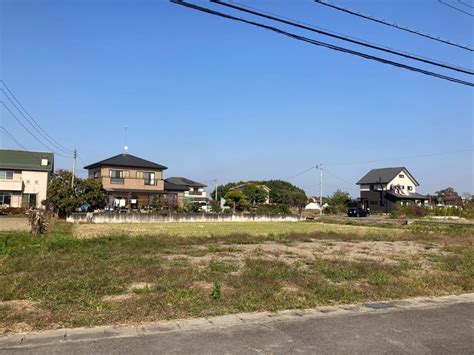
column 211, row 98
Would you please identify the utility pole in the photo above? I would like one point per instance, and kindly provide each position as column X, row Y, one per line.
column 215, row 196
column 320, row 188
column 73, row 168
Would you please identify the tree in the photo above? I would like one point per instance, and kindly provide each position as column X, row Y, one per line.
column 255, row 193
column 216, row 206
column 63, row 199
column 339, row 201
column 286, row 193
column 92, row 192
column 280, row 191
column 449, row 191
column 236, row 199
column 449, row 197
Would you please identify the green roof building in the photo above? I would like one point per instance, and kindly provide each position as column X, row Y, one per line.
column 24, row 177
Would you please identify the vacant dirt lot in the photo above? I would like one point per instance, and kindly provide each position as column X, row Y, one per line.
column 85, row 275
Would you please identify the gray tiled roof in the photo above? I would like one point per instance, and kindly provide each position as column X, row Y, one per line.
column 412, row 196
column 127, row 160
column 25, row 160
column 184, row 182
column 169, row 186
column 384, row 175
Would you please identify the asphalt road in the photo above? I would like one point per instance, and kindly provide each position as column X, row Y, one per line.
column 440, row 329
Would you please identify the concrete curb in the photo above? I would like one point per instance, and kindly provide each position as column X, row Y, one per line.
column 34, row 339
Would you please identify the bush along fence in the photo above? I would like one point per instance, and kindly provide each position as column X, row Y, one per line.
column 181, row 217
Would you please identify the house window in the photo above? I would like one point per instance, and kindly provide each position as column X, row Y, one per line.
column 6, row 175
column 402, row 187
column 116, row 177
column 149, row 178
column 401, row 176
column 28, row 200
column 410, row 188
column 195, row 191
column 44, row 162
column 5, row 198
column 97, row 174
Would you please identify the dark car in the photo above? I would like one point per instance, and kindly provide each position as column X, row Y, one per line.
column 356, row 212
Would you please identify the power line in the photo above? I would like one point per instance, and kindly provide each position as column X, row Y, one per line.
column 28, row 130
column 303, row 172
column 378, row 161
column 30, row 119
column 26, row 119
column 455, row 8
column 13, row 138
column 323, row 44
column 351, row 37
column 351, row 184
column 392, row 24
column 82, row 160
column 465, row 4
column 345, row 38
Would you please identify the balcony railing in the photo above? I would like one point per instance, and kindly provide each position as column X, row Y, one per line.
column 11, row 185
column 118, row 181
column 195, row 193
column 127, row 180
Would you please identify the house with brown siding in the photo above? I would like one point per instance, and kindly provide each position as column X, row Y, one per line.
column 133, row 182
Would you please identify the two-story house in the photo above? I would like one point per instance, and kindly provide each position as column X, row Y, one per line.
column 24, row 178
column 133, row 182
column 383, row 189
column 195, row 191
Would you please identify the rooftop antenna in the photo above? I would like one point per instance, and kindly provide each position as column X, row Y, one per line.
column 126, row 145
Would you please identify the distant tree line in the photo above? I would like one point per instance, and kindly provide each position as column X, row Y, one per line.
column 281, row 192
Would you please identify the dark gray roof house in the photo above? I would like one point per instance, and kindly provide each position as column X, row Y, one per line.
column 169, row 186
column 127, row 160
column 384, row 175
column 384, row 189
column 184, row 182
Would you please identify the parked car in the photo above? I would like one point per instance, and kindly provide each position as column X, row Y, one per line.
column 356, row 212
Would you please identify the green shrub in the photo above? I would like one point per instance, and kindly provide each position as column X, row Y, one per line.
column 216, row 291
column 409, row 211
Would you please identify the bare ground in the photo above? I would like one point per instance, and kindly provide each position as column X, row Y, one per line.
column 382, row 252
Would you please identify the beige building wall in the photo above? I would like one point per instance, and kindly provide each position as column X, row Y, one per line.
column 35, row 182
column 16, row 200
column 201, row 190
column 133, row 179
column 405, row 181
column 26, row 182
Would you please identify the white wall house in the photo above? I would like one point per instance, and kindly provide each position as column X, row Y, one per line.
column 195, row 190
column 385, row 188
column 24, row 178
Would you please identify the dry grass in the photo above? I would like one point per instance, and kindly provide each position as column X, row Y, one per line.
column 65, row 281
column 220, row 229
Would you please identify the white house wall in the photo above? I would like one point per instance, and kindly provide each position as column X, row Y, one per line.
column 35, row 182
column 406, row 181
